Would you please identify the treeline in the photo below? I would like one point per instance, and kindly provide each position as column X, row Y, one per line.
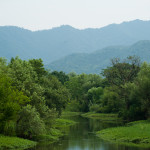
column 32, row 97
column 124, row 89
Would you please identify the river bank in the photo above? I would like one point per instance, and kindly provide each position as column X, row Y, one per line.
column 7, row 142
column 82, row 136
column 55, row 133
column 134, row 134
column 101, row 116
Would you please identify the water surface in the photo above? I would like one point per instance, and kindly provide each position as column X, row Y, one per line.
column 82, row 137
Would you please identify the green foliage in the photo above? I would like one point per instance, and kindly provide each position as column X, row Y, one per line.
column 61, row 76
column 29, row 123
column 143, row 88
column 110, row 101
column 128, row 91
column 30, row 98
column 56, row 95
column 3, row 66
column 79, row 86
column 11, row 101
column 136, row 96
column 94, row 94
column 38, row 67
column 122, row 72
column 74, row 106
column 23, row 75
column 94, row 108
column 10, row 128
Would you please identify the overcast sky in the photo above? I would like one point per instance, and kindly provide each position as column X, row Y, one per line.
column 45, row 14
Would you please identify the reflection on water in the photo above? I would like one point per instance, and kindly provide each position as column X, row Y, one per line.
column 81, row 137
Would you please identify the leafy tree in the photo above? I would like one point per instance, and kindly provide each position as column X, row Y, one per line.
column 23, row 75
column 38, row 67
column 61, row 76
column 110, row 101
column 122, row 72
column 3, row 66
column 56, row 95
column 94, row 94
column 11, row 101
column 78, row 87
column 140, row 92
column 131, row 103
column 26, row 80
column 29, row 123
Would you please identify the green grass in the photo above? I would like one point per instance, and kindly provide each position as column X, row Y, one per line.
column 70, row 114
column 60, row 123
column 101, row 116
column 15, row 143
column 135, row 134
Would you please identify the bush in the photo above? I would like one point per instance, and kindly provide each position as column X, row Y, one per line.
column 94, row 108
column 73, row 106
column 10, row 128
column 29, row 123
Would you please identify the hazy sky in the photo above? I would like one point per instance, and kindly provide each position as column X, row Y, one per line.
column 45, row 14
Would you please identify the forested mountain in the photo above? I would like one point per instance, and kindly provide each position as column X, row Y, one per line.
column 51, row 45
column 100, row 59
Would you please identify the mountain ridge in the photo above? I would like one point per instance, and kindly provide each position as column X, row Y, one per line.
column 55, row 43
column 100, row 59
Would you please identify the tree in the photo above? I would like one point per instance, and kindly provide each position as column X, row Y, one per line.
column 3, row 66
column 29, row 123
column 94, row 95
column 56, row 95
column 122, row 72
column 141, row 92
column 26, row 80
column 78, row 87
column 38, row 67
column 110, row 101
column 61, row 76
column 11, row 101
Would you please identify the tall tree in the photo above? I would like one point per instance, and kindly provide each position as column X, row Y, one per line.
column 122, row 72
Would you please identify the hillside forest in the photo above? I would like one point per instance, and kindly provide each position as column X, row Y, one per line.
column 31, row 97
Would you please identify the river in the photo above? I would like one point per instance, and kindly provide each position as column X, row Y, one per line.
column 82, row 137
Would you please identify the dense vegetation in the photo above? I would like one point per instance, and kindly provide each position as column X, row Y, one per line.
column 32, row 98
column 123, row 90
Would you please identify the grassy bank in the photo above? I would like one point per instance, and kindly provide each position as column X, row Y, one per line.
column 101, row 116
column 56, row 131
column 70, row 114
column 135, row 133
column 60, row 123
column 15, row 143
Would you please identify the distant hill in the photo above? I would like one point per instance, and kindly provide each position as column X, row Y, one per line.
column 98, row 60
column 53, row 44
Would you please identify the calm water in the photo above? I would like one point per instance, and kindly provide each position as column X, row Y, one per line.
column 81, row 137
